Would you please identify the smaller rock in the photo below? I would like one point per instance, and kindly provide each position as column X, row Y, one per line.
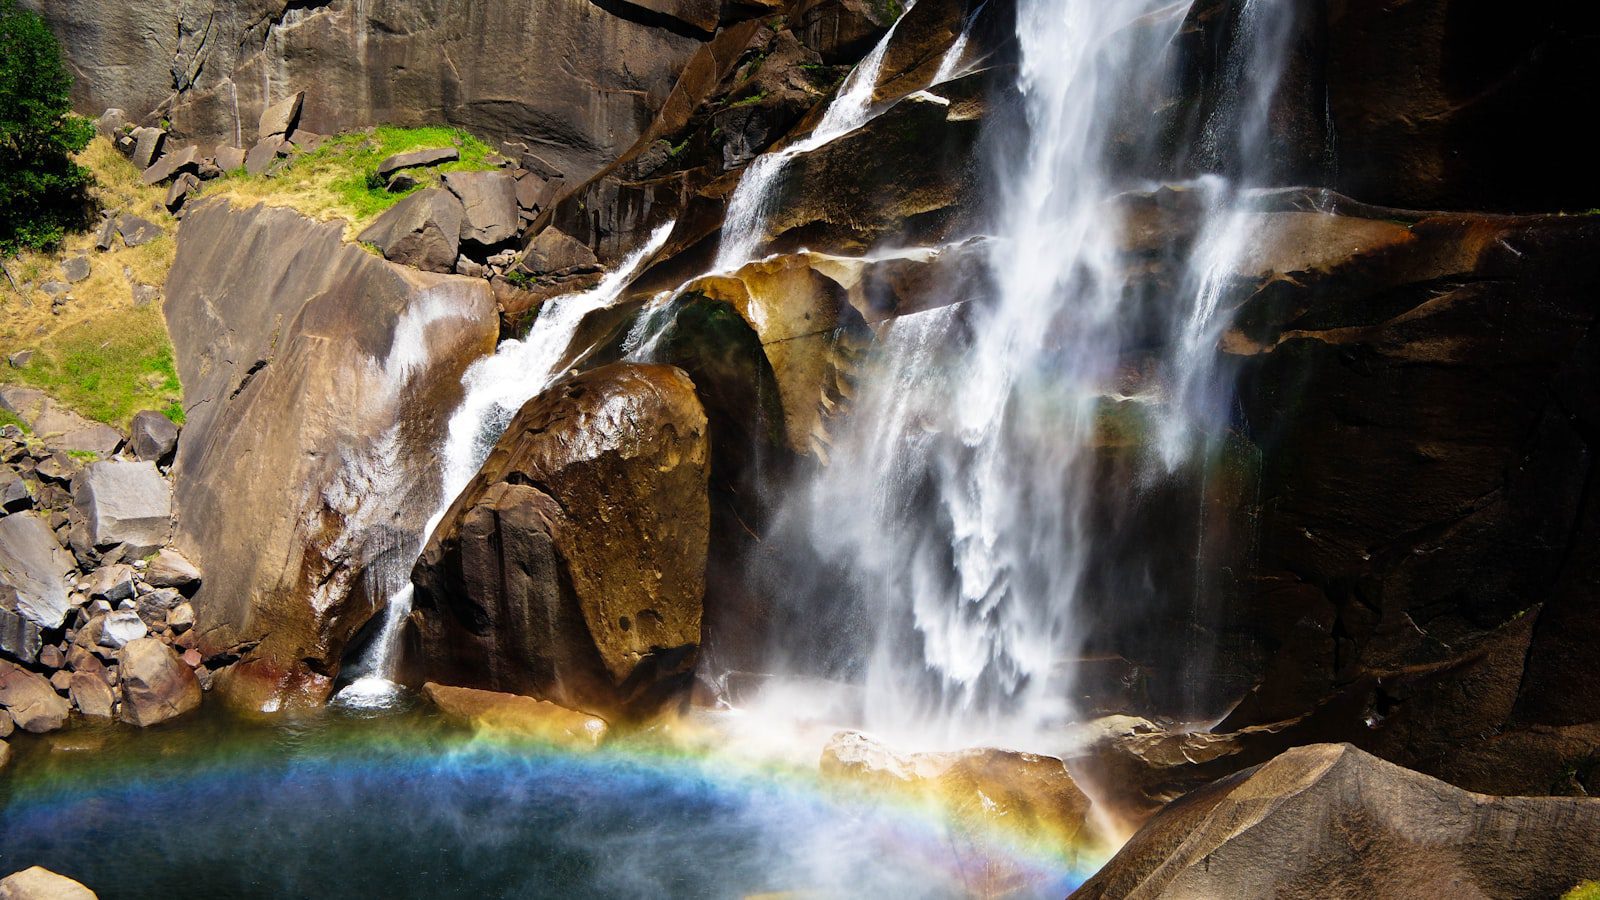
column 136, row 231
column 422, row 231
column 465, row 265
column 264, row 154
column 6, row 725
column 119, row 628
column 14, row 495
column 39, row 883
column 182, row 187
column 52, row 657
column 156, row 684
column 60, row 681
column 417, row 158
column 171, row 569
column 104, row 237
column 32, row 702
column 75, row 268
column 152, row 436
column 17, row 360
column 402, row 182
column 55, row 288
column 144, row 294
column 91, row 695
column 155, row 606
column 181, row 618
column 110, row 123
column 148, row 144
column 490, row 203
column 20, row 639
column 172, row 165
column 230, row 159
column 58, row 467
column 307, row 141
column 280, row 118
column 554, row 251
column 113, row 583
column 192, row 658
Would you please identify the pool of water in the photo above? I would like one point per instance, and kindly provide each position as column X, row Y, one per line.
column 400, row 806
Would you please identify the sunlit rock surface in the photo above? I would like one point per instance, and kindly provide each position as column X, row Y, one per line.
column 317, row 378
column 516, row 716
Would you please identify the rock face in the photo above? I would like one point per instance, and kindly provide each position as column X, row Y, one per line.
column 1032, row 794
column 422, row 231
column 124, row 503
column 33, row 704
column 572, row 567
column 516, row 716
column 33, row 568
column 214, row 67
column 156, row 685
column 42, row 884
column 1328, row 820
column 308, row 453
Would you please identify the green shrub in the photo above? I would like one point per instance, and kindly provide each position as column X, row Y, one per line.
column 43, row 192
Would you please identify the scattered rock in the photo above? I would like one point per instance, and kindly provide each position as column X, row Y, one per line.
column 1328, row 820
column 152, row 436
column 154, row 606
column 119, row 627
column 20, row 639
column 105, row 236
column 490, row 203
column 171, row 569
column 124, row 503
column 145, row 294
column 33, row 565
column 19, row 359
column 39, row 883
column 112, row 583
column 75, row 268
column 230, row 159
column 470, row 267
column 91, row 695
column 280, row 118
column 32, row 702
column 5, row 750
column 402, row 182
column 14, row 495
column 264, row 154
column 422, row 231
column 52, row 657
column 55, row 288
column 182, row 187
column 136, row 231
column 185, row 161
column 181, row 619
column 156, row 685
column 514, row 714
column 110, row 123
column 148, row 144
column 415, row 159
column 555, row 251
column 7, row 726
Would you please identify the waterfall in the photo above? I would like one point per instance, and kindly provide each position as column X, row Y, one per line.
column 496, row 387
column 941, row 561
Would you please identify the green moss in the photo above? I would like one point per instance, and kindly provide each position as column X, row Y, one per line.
column 7, row 417
column 751, row 100
column 83, row 455
column 1588, row 890
column 109, row 368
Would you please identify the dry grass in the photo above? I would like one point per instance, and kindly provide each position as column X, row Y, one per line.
column 98, row 353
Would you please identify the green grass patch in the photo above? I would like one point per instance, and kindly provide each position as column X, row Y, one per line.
column 1588, row 890
column 109, row 368
column 7, row 417
column 339, row 178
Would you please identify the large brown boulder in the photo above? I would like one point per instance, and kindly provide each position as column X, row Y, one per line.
column 1329, row 820
column 572, row 567
column 31, row 701
column 317, row 378
column 513, row 715
column 38, row 883
column 422, row 231
column 214, row 67
column 156, row 684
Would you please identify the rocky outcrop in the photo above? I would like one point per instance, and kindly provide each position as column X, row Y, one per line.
column 1329, row 820
column 512, row 715
column 214, row 68
column 58, row 427
column 42, row 884
column 312, row 412
column 572, row 567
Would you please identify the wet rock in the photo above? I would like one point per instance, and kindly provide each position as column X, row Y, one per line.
column 40, row 883
column 119, row 627
column 279, row 119
column 172, row 165
column 148, row 145
column 575, row 560
column 489, row 201
column 14, row 495
column 1330, row 820
column 276, row 318
column 156, row 685
column 34, row 705
column 415, row 159
column 91, row 695
column 170, row 569
column 124, row 503
column 75, row 269
column 33, row 567
column 152, row 436
column 422, row 231
column 1028, row 792
column 136, row 231
column 517, row 716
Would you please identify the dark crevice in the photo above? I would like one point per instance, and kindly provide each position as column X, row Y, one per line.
column 652, row 19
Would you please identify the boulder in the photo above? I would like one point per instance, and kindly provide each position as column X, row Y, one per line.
column 556, row 251
column 58, row 427
column 40, row 883
column 572, row 567
column 265, row 152
column 1032, row 795
column 14, row 493
column 154, row 606
column 113, row 583
column 182, row 187
column 1328, row 820
column 33, row 704
column 170, row 166
column 119, row 628
column 156, row 685
column 516, row 716
column 152, row 436
column 416, row 159
column 147, row 147
column 422, row 231
column 76, row 268
column 317, row 378
column 279, row 119
column 91, row 695
column 136, row 231
column 124, row 503
column 20, row 638
column 170, row 569
column 230, row 159
column 489, row 202
column 33, row 568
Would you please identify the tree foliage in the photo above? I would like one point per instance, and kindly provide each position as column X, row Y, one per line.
column 43, row 192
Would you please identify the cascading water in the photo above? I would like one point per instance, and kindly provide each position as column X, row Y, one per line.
column 958, row 514
column 496, row 387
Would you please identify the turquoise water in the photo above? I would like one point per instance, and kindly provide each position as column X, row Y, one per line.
column 336, row 806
